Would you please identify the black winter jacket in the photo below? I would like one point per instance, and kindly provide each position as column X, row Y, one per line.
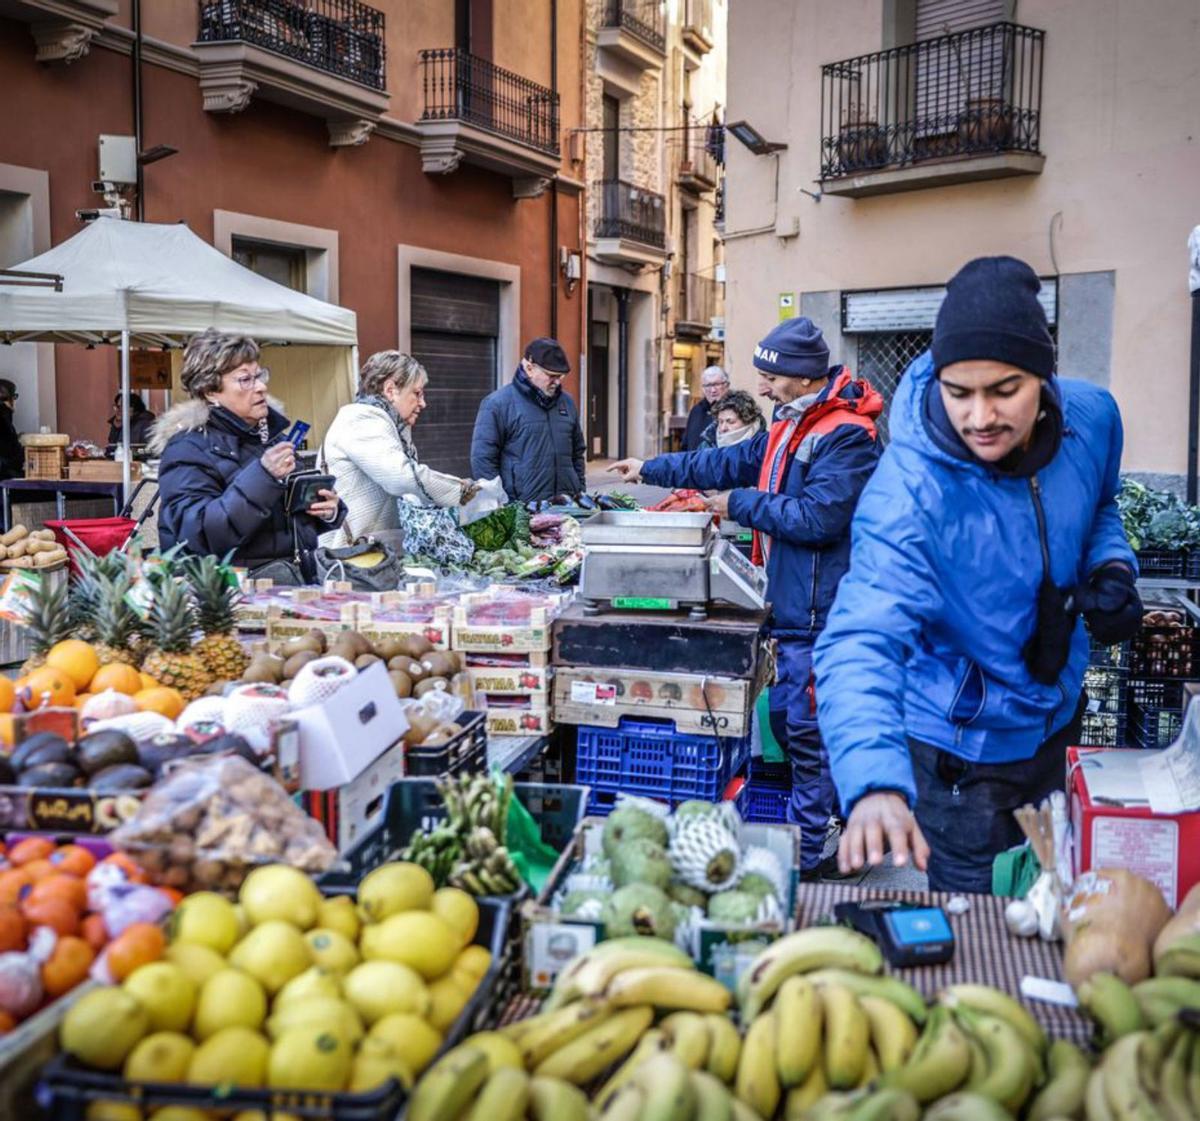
column 532, row 442
column 12, row 454
column 216, row 495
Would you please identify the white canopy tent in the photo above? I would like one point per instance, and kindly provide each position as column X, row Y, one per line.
column 140, row 284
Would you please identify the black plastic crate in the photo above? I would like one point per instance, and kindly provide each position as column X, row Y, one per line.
column 1103, row 729
column 1153, row 726
column 464, row 753
column 1165, row 652
column 1115, row 656
column 1163, row 564
column 1106, row 687
column 1154, row 692
column 1192, row 569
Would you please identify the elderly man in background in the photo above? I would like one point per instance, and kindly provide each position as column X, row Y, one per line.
column 714, row 384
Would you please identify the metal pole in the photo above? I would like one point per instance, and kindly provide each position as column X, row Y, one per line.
column 126, row 463
column 622, row 295
column 1194, row 402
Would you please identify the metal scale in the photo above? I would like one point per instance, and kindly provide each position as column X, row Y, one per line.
column 649, row 561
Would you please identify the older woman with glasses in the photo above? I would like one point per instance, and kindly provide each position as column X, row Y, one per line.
column 222, row 479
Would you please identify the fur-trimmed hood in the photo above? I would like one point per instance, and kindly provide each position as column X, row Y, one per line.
column 188, row 416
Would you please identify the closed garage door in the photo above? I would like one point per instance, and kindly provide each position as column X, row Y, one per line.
column 455, row 328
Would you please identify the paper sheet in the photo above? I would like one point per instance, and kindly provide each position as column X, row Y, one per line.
column 1115, row 777
column 1171, row 778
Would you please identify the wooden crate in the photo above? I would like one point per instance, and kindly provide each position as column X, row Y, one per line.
column 45, row 463
column 101, row 470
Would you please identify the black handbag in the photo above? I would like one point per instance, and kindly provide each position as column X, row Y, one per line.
column 376, row 574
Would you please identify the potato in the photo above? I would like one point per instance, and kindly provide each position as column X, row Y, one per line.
column 429, row 684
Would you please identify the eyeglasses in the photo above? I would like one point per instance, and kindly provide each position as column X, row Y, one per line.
column 246, row 382
column 554, row 376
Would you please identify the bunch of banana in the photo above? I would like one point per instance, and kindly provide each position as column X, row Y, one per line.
column 1148, row 1075
column 665, row 1088
column 590, row 974
column 437, row 852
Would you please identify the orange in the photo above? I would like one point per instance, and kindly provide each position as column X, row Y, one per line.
column 48, row 686
column 7, row 730
column 117, row 675
column 94, row 932
column 148, row 682
column 134, row 872
column 76, row 659
column 7, row 1022
column 8, row 693
column 39, row 870
column 13, row 928
column 58, row 914
column 138, row 944
column 67, row 965
column 70, row 888
column 30, row 849
column 74, row 860
column 13, row 881
column 162, row 699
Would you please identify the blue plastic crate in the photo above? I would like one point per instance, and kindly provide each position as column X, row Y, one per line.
column 653, row 759
column 766, row 793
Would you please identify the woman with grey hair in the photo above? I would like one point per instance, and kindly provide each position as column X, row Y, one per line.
column 369, row 450
column 222, row 478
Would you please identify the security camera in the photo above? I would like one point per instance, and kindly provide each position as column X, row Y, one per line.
column 91, row 213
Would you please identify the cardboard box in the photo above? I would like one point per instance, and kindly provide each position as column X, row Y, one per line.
column 351, row 811
column 1164, row 849
column 695, row 703
column 101, row 470
column 287, row 623
column 384, row 616
column 516, row 681
column 343, row 736
column 519, row 720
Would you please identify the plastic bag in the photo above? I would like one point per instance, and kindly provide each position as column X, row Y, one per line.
column 489, row 497
column 212, row 820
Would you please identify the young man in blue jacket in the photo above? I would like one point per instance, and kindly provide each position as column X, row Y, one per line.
column 796, row 486
column 950, row 674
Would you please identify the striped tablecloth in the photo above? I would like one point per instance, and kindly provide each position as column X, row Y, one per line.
column 984, row 952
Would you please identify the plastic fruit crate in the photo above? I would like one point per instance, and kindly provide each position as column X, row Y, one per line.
column 1153, row 726
column 766, row 793
column 651, row 758
column 463, row 753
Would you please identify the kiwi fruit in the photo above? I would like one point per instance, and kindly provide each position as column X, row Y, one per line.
column 441, row 663
column 390, row 646
column 415, row 645
column 310, row 643
column 441, row 734
column 298, row 661
column 401, row 682
column 216, row 689
column 410, row 666
column 262, row 671
column 364, row 660
column 360, row 644
column 429, row 684
column 420, row 724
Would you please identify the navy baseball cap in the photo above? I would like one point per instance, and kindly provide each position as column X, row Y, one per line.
column 548, row 354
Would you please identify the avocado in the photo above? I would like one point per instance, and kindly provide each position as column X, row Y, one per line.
column 53, row 775
column 30, row 752
column 124, row 776
column 156, row 752
column 105, row 748
column 230, row 744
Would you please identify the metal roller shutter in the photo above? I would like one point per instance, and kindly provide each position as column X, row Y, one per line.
column 455, row 332
column 944, row 17
column 914, row 309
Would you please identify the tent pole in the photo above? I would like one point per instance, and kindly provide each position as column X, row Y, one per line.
column 127, row 462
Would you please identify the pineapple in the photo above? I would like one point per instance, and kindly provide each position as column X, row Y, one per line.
column 115, row 623
column 169, row 627
column 47, row 618
column 88, row 586
column 216, row 603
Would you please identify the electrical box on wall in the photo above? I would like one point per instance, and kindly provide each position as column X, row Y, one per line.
column 118, row 159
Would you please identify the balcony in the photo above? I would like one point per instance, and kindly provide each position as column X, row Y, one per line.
column 698, row 168
column 697, row 307
column 62, row 30
column 631, row 224
column 697, row 26
column 482, row 114
column 322, row 57
column 631, row 39
column 958, row 108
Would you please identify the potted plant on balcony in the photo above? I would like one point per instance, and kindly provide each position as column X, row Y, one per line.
column 861, row 142
column 985, row 121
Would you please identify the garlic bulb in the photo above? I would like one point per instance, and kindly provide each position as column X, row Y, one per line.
column 1021, row 918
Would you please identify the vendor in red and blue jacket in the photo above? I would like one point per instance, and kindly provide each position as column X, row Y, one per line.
column 796, row 486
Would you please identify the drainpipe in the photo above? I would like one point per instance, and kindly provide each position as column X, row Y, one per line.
column 1194, row 402
column 136, row 58
column 553, row 248
column 622, row 295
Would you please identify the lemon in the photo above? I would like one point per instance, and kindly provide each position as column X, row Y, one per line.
column 310, row 1059
column 280, row 892
column 103, row 1026
column 243, row 921
column 377, row 988
column 228, row 999
column 317, row 1012
column 339, row 914
column 474, row 961
column 179, row 1113
column 313, row 982
column 392, row 888
column 273, row 952
column 108, row 1110
column 161, row 1057
column 457, row 910
column 205, row 919
column 332, row 950
column 167, row 994
column 500, row 1050
column 232, row 1055
column 411, row 1036
column 447, row 998
column 376, row 1063
column 418, row 939
column 198, row 962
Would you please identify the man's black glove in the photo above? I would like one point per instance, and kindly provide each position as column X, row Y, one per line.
column 1049, row 646
column 1110, row 603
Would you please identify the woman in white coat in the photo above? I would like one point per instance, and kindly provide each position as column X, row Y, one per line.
column 369, row 450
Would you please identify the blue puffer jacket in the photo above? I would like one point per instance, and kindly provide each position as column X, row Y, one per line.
column 808, row 521
column 533, row 442
column 926, row 635
column 217, row 496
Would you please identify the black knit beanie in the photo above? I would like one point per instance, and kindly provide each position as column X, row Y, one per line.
column 991, row 311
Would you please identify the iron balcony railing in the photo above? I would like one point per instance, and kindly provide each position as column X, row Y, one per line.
column 697, row 159
column 642, row 18
column 697, row 301
column 970, row 93
column 342, row 37
column 631, row 212
column 461, row 86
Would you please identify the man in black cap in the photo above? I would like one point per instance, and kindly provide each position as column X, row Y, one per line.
column 528, row 432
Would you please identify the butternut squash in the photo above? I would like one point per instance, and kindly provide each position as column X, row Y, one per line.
column 1111, row 919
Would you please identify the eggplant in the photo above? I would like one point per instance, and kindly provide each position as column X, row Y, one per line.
column 43, row 747
column 106, row 748
column 55, row 775
column 123, row 776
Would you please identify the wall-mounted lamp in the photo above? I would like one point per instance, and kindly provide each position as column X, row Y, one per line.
column 753, row 139
column 570, row 264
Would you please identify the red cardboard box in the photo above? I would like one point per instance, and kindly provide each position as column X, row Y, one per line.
column 1164, row 849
